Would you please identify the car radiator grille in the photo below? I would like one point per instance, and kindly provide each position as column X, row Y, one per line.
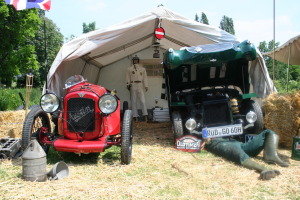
column 81, row 115
column 216, row 113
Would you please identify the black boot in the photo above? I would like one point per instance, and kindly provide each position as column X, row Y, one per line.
column 146, row 118
column 270, row 150
column 265, row 173
column 136, row 119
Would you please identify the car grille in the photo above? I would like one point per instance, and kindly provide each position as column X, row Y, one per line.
column 216, row 113
column 81, row 115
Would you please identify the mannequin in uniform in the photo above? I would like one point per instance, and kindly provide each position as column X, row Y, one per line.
column 137, row 82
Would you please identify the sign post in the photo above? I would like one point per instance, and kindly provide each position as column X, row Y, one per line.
column 29, row 84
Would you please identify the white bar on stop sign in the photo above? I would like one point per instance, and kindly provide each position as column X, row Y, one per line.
column 159, row 33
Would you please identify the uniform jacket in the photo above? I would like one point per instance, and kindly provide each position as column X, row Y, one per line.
column 136, row 73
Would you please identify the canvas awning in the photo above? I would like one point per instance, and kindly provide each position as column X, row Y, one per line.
column 91, row 52
column 288, row 53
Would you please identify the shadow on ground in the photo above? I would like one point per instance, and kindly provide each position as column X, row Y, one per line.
column 147, row 134
column 153, row 134
column 111, row 156
column 283, row 157
column 143, row 134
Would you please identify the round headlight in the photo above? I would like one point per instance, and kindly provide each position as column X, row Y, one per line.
column 49, row 103
column 251, row 117
column 108, row 104
column 191, row 124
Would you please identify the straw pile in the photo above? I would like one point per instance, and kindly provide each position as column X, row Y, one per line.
column 11, row 123
column 158, row 171
column 282, row 115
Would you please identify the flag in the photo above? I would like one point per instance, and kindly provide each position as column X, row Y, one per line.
column 27, row 4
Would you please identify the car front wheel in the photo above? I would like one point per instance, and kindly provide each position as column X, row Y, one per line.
column 35, row 120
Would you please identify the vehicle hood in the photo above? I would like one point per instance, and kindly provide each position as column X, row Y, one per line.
column 219, row 64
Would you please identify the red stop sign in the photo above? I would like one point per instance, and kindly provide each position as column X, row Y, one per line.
column 159, row 33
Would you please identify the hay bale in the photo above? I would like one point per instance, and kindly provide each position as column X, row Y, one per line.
column 11, row 123
column 282, row 115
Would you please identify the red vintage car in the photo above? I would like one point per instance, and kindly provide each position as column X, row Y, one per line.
column 87, row 120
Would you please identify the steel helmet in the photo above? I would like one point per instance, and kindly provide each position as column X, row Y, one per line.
column 135, row 58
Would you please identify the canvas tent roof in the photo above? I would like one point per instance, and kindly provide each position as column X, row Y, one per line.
column 91, row 52
column 289, row 52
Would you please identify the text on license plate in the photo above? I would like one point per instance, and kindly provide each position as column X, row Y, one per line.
column 222, row 131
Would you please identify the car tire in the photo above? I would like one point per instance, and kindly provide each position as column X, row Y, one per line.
column 34, row 106
column 125, row 106
column 259, row 123
column 34, row 120
column 177, row 124
column 21, row 107
column 126, row 138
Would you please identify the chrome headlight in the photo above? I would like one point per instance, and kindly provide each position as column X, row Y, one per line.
column 251, row 117
column 49, row 103
column 108, row 104
column 191, row 124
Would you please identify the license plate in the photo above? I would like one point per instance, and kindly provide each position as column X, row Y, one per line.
column 222, row 131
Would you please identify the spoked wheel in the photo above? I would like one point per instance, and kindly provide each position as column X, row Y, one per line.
column 35, row 121
column 126, row 140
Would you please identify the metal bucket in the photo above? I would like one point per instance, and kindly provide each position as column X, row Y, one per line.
column 34, row 163
column 59, row 171
column 296, row 148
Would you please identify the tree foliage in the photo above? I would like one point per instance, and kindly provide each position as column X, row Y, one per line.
column 204, row 19
column 197, row 18
column 17, row 51
column 48, row 41
column 71, row 37
column 227, row 25
column 88, row 27
column 280, row 68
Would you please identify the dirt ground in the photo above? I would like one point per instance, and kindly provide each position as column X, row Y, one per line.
column 158, row 171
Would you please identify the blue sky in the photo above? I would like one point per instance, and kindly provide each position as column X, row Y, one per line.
column 253, row 19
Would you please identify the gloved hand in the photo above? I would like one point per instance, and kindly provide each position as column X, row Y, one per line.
column 146, row 88
column 268, row 174
column 128, row 87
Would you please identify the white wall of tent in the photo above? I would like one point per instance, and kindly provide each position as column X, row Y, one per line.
column 102, row 56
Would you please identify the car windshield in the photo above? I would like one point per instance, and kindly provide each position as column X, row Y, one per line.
column 73, row 80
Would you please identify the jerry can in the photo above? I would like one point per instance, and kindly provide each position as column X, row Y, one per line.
column 34, row 162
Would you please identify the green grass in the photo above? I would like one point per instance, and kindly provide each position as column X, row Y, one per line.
column 168, row 191
column 281, row 86
column 3, row 174
column 68, row 157
column 10, row 99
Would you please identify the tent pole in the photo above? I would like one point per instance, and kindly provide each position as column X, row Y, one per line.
column 83, row 69
column 288, row 70
column 45, row 50
column 274, row 40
